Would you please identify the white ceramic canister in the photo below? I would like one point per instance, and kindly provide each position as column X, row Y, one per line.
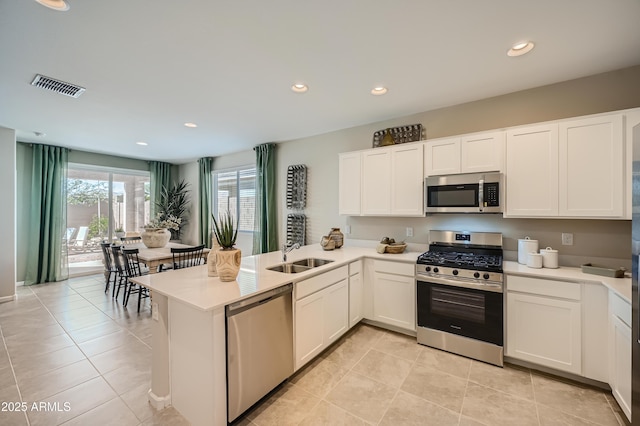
column 525, row 246
column 549, row 258
column 534, row 260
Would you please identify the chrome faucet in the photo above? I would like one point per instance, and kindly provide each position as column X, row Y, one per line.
column 286, row 250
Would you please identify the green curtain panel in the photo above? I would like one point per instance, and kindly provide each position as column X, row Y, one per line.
column 265, row 237
column 205, row 165
column 47, row 252
column 160, row 176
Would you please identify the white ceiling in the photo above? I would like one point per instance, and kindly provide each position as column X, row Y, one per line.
column 151, row 65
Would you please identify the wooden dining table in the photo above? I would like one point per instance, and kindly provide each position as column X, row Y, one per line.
column 154, row 257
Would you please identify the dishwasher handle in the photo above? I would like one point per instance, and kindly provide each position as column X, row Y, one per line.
column 253, row 301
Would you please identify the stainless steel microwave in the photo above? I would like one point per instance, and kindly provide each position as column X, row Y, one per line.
column 465, row 193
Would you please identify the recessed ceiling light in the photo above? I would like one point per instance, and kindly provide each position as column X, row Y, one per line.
column 299, row 88
column 190, row 125
column 59, row 5
column 380, row 90
column 142, row 143
column 520, row 48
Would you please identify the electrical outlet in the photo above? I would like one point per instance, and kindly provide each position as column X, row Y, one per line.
column 409, row 232
column 154, row 311
column 567, row 239
column 347, row 229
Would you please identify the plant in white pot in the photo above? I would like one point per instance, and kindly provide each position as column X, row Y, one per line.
column 156, row 233
column 174, row 202
column 227, row 257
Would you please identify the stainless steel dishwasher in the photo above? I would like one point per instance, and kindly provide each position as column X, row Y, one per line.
column 259, row 347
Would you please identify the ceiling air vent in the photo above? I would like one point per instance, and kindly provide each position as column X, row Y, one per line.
column 57, row 86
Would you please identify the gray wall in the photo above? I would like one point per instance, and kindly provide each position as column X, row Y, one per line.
column 592, row 238
column 8, row 213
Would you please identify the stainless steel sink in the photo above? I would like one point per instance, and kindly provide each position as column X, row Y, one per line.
column 312, row 262
column 289, row 268
column 299, row 265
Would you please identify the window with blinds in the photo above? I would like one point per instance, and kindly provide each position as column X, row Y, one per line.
column 235, row 191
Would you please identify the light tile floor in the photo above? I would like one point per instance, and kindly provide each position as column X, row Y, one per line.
column 84, row 359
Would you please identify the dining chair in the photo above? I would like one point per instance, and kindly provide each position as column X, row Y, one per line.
column 121, row 272
column 186, row 257
column 134, row 269
column 109, row 267
column 130, row 240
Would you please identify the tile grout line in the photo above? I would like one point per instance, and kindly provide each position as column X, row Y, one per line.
column 535, row 398
column 118, row 396
column 617, row 417
column 466, row 389
column 87, row 358
column 413, row 363
column 13, row 372
column 76, row 345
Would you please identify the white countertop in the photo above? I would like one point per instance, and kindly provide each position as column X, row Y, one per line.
column 194, row 287
column 622, row 286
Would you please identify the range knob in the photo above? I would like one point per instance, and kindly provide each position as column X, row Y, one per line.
column 454, row 272
column 428, row 268
column 485, row 276
column 476, row 275
column 436, row 270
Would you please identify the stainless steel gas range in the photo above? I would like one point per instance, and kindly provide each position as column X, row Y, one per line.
column 460, row 294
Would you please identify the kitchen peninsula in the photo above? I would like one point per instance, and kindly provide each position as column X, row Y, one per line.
column 189, row 345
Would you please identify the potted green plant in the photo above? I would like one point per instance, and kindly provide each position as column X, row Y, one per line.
column 157, row 232
column 119, row 231
column 227, row 257
column 174, row 201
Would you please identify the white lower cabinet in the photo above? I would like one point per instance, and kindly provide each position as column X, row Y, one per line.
column 356, row 293
column 321, row 313
column 394, row 294
column 544, row 324
column 620, row 352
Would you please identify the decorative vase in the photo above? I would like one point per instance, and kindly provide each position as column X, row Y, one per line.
column 337, row 237
column 212, row 271
column 228, row 263
column 155, row 237
column 327, row 243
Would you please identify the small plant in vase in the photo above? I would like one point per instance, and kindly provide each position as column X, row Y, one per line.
column 227, row 257
column 156, row 233
column 119, row 231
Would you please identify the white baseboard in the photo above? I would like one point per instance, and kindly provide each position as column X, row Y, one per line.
column 20, row 283
column 8, row 298
column 159, row 402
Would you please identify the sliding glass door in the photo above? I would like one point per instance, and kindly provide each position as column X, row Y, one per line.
column 102, row 202
column 235, row 191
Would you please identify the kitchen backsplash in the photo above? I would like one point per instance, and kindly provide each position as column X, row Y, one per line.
column 606, row 242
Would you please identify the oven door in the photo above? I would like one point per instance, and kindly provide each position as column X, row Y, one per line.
column 468, row 312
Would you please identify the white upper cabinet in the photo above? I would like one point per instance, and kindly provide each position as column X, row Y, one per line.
column 573, row 168
column 592, row 167
column 407, row 180
column 349, row 171
column 483, row 152
column 442, row 157
column 531, row 173
column 376, row 182
column 392, row 181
